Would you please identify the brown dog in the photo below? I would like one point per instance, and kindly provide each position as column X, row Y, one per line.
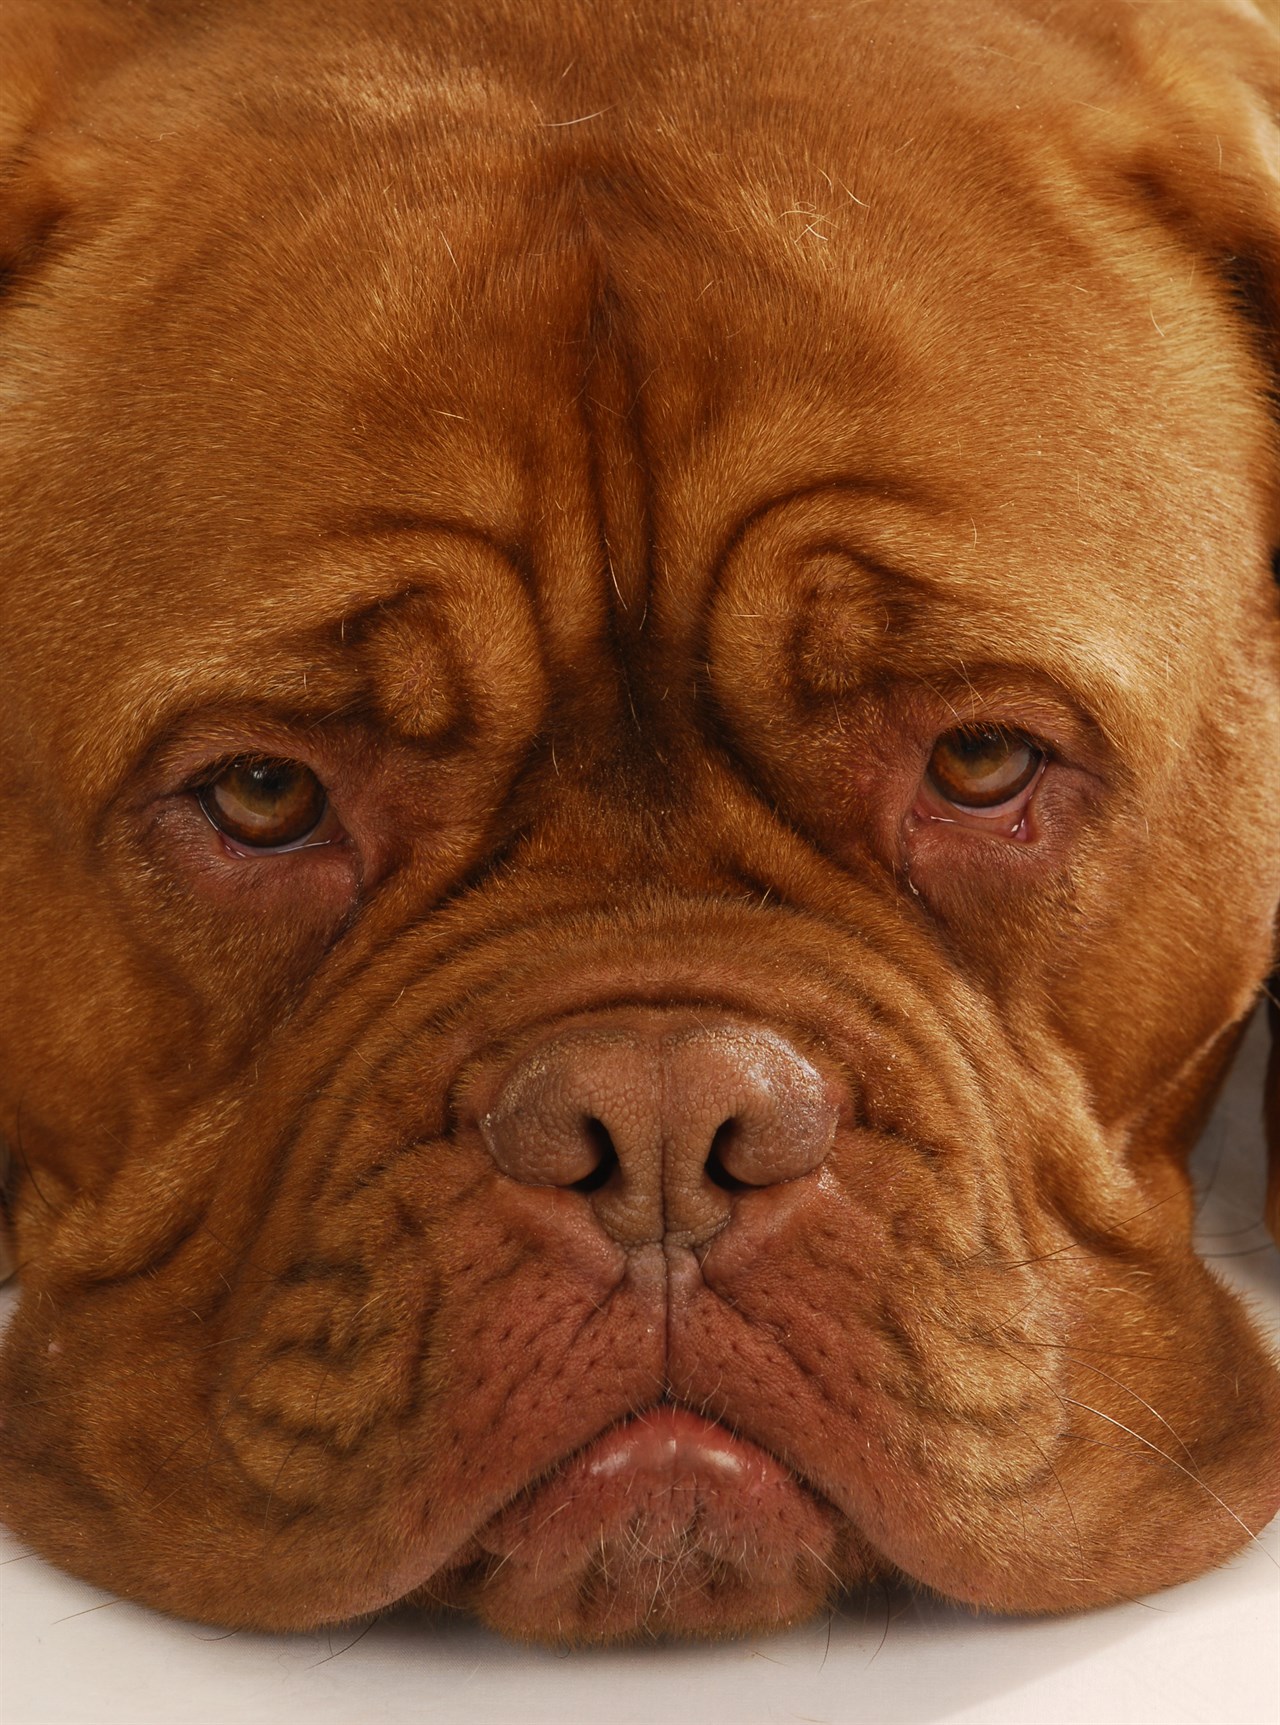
column 639, row 798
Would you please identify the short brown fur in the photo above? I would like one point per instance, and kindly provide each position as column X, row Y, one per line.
column 608, row 446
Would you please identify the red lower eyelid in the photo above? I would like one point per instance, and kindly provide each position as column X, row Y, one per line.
column 1015, row 827
column 250, row 853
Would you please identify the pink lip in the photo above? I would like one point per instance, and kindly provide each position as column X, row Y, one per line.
column 667, row 1469
column 666, row 1506
column 667, row 1443
column 662, row 1484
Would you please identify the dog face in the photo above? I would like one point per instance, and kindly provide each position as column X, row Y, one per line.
column 641, row 677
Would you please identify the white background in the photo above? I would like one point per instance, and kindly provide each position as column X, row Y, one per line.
column 1204, row 1654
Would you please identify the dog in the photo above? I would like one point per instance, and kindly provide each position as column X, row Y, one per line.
column 641, row 697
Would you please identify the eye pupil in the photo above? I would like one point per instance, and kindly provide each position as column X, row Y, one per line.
column 265, row 782
column 982, row 766
column 264, row 804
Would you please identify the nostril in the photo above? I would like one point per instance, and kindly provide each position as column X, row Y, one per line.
column 727, row 1132
column 621, row 1114
column 596, row 1135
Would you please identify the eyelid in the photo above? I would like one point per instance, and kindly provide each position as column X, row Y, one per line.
column 246, row 757
column 211, row 771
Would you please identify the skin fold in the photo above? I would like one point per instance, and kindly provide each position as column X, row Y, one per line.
column 647, row 1160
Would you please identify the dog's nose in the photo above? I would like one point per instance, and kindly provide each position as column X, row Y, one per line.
column 661, row 1129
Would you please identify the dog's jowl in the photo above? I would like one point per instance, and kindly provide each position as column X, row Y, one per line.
column 641, row 695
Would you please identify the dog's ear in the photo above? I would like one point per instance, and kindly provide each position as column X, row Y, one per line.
column 1211, row 161
column 51, row 53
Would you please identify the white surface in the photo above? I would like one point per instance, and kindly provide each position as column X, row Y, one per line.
column 1204, row 1654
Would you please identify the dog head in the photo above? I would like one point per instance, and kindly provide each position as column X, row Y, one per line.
column 638, row 790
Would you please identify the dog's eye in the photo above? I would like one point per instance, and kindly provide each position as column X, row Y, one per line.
column 982, row 766
column 264, row 804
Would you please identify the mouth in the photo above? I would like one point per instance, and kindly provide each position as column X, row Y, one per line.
column 667, row 1522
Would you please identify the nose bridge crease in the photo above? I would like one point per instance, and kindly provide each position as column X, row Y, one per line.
column 693, row 1207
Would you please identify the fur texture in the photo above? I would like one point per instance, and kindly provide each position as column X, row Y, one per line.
column 609, row 446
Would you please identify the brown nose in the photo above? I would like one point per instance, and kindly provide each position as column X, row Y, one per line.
column 661, row 1128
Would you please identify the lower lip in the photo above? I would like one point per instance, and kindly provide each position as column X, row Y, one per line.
column 667, row 1470
column 670, row 1443
column 667, row 1520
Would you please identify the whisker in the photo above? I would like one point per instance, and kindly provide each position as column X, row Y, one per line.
column 1129, row 1391
column 88, row 1609
column 1174, row 1462
column 821, row 1560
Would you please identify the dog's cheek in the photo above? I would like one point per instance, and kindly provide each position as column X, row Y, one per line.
column 240, row 969
column 1180, row 909
column 63, row 1107
column 160, row 1003
column 1014, row 915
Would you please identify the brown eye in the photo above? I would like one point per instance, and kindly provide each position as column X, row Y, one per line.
column 981, row 766
column 268, row 805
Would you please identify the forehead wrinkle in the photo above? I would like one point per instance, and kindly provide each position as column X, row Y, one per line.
column 1096, row 668
column 303, row 674
column 1093, row 653
column 427, row 583
column 297, row 691
column 898, row 592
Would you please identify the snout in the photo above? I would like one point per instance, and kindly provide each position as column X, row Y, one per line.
column 660, row 1122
